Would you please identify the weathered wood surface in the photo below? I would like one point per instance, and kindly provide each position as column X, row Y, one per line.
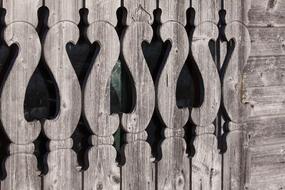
column 252, row 90
column 63, row 169
column 173, row 168
column 263, row 89
column 138, row 170
column 21, row 165
column 207, row 162
column 234, row 159
column 103, row 171
column 264, row 13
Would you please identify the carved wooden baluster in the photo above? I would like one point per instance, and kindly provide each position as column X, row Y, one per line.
column 173, row 169
column 21, row 165
column 62, row 160
column 137, row 172
column 235, row 156
column 103, row 172
column 206, row 163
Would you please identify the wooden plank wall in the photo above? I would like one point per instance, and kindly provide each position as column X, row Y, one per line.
column 243, row 91
column 263, row 91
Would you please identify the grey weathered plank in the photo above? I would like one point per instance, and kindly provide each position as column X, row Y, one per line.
column 267, row 41
column 267, row 160
column 139, row 11
column 173, row 170
column 103, row 171
column 234, row 159
column 264, row 71
column 206, row 163
column 206, row 11
column 21, row 165
column 233, row 79
column 266, row 12
column 62, row 163
column 266, row 156
column 138, row 171
column 264, row 86
column 260, row 131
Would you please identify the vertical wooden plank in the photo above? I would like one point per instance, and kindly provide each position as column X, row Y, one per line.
column 137, row 172
column 206, row 163
column 21, row 165
column 103, row 172
column 173, row 169
column 63, row 168
column 234, row 165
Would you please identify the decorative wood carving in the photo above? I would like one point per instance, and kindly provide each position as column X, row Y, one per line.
column 21, row 165
column 206, row 163
column 173, row 169
column 103, row 171
column 137, row 173
column 235, row 157
column 62, row 160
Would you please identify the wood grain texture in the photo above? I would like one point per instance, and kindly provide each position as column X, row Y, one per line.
column 207, row 162
column 172, row 10
column 173, row 170
column 267, row 41
column 138, row 171
column 103, row 171
column 63, row 168
column 205, row 114
column 237, row 10
column 206, row 11
column 233, row 78
column 234, row 159
column 21, row 165
column 22, row 11
column 139, row 11
column 63, row 10
column 266, row 13
column 264, row 87
column 267, row 160
column 103, row 10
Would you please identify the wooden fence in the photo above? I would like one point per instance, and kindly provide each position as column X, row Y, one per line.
column 198, row 87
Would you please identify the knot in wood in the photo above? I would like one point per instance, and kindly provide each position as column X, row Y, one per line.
column 97, row 140
column 174, row 132
column 132, row 137
column 22, row 148
column 60, row 144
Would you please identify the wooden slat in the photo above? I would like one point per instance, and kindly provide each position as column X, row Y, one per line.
column 234, row 159
column 21, row 165
column 103, row 171
column 232, row 84
column 206, row 163
column 63, row 169
column 173, row 168
column 138, row 171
